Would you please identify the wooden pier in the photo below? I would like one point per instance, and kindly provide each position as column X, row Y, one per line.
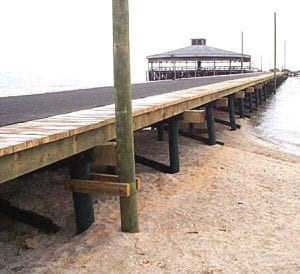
column 29, row 146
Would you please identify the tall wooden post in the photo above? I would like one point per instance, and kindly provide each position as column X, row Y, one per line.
column 275, row 52
column 124, row 125
column 242, row 56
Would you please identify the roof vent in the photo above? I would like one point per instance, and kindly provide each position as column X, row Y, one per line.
column 198, row 41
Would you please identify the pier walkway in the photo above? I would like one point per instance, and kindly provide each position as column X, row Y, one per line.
column 33, row 144
column 29, row 107
column 27, row 146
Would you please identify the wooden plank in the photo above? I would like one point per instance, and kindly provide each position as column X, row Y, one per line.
column 240, row 94
column 259, row 86
column 105, row 155
column 26, row 160
column 98, row 187
column 222, row 102
column 250, row 90
column 193, row 116
column 112, row 178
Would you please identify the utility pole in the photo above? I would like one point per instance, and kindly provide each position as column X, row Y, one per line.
column 275, row 52
column 284, row 57
column 123, row 107
column 242, row 57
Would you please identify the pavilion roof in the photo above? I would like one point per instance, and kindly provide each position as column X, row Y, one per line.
column 199, row 52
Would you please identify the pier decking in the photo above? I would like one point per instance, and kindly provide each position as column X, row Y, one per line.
column 28, row 146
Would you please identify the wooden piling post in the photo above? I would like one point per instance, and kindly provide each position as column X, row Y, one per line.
column 210, row 120
column 231, row 111
column 275, row 48
column 173, row 146
column 83, row 203
column 124, row 125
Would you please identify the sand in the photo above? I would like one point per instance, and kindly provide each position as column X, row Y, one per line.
column 230, row 209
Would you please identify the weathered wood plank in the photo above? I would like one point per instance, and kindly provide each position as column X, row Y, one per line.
column 240, row 94
column 193, row 116
column 222, row 102
column 112, row 178
column 105, row 155
column 250, row 90
column 98, row 187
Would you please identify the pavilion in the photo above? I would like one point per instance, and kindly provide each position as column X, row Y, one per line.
column 195, row 61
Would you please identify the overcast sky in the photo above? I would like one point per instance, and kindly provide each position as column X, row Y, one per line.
column 75, row 36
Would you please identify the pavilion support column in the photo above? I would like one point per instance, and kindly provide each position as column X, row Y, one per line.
column 210, row 120
column 124, row 124
column 174, row 69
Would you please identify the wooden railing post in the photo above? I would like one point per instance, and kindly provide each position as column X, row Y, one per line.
column 124, row 124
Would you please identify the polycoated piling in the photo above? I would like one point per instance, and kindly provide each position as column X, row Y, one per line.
column 83, row 203
column 210, row 121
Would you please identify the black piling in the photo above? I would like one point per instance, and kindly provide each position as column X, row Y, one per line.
column 160, row 131
column 173, row 146
column 241, row 107
column 191, row 126
column 265, row 93
column 210, row 121
column 83, row 203
column 250, row 102
column 256, row 98
column 260, row 96
column 231, row 111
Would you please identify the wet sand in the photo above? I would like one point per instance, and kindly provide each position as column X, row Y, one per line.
column 230, row 209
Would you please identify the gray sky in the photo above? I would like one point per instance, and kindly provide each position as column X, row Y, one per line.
column 74, row 37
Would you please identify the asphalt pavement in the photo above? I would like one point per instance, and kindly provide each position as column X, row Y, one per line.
column 30, row 107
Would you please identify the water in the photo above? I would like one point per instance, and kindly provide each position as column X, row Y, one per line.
column 25, row 83
column 279, row 120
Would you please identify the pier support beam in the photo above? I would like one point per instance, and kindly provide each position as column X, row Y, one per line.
column 210, row 120
column 241, row 107
column 256, row 98
column 231, row 111
column 173, row 151
column 173, row 146
column 83, row 203
column 160, row 132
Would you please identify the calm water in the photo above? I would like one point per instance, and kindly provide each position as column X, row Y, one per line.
column 24, row 83
column 279, row 120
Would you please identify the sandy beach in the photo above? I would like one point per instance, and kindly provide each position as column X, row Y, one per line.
column 230, row 209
